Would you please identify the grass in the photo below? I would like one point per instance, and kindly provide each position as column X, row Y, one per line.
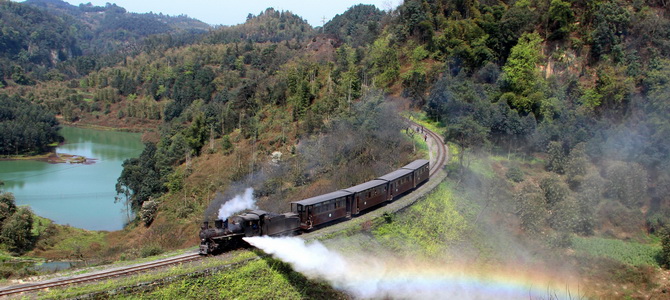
column 265, row 278
column 482, row 167
column 427, row 227
column 119, row 283
column 631, row 253
column 244, row 275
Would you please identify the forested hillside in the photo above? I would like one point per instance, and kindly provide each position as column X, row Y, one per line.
column 579, row 88
column 26, row 127
column 45, row 40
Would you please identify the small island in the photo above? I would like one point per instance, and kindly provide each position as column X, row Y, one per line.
column 62, row 158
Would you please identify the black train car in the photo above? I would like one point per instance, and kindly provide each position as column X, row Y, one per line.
column 399, row 182
column 421, row 170
column 368, row 194
column 323, row 209
column 229, row 233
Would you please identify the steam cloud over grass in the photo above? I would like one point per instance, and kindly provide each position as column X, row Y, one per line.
column 369, row 276
column 237, row 204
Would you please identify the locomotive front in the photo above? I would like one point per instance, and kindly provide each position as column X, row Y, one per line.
column 221, row 236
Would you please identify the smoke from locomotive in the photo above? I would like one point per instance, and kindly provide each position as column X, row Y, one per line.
column 238, row 204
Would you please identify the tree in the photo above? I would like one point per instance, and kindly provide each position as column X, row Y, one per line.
column 197, row 134
column 560, row 19
column 141, row 178
column 564, row 216
column 627, row 182
column 531, row 208
column 590, row 193
column 576, row 166
column 557, row 158
column 555, row 191
column 468, row 135
column 17, row 231
column 7, row 206
column 520, row 73
column 665, row 247
column 610, row 22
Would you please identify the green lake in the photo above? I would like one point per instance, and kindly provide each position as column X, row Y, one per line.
column 81, row 195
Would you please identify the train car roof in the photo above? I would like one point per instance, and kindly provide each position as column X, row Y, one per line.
column 248, row 217
column 416, row 164
column 323, row 198
column 395, row 174
column 257, row 212
column 366, row 185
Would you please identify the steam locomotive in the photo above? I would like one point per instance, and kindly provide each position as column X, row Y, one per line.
column 313, row 212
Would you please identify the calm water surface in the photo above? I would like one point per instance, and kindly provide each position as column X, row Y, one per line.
column 81, row 195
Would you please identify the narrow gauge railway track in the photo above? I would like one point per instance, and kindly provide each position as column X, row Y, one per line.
column 29, row 287
column 436, row 164
column 442, row 154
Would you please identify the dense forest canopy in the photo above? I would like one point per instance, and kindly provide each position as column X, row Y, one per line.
column 53, row 40
column 25, row 127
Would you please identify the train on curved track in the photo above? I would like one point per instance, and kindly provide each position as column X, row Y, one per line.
column 313, row 212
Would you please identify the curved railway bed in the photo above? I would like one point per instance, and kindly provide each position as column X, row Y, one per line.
column 438, row 156
column 105, row 274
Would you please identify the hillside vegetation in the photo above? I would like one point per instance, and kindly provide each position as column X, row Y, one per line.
column 561, row 104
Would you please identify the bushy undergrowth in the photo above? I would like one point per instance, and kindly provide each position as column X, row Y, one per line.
column 427, row 227
column 632, row 253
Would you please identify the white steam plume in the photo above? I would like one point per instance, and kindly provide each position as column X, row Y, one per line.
column 313, row 260
column 237, row 204
column 371, row 276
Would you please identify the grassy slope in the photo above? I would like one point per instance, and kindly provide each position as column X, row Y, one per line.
column 241, row 274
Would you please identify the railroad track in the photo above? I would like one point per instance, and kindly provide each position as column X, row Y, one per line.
column 437, row 163
column 30, row 287
column 442, row 153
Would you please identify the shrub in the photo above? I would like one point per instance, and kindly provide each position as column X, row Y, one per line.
column 515, row 174
column 151, row 250
column 226, row 145
column 7, row 206
column 664, row 255
column 17, row 231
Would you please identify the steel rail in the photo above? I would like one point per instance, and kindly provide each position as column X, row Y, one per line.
column 97, row 276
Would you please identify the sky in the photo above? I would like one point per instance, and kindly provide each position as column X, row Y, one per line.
column 226, row 12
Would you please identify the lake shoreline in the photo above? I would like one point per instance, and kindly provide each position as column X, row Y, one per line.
column 53, row 157
column 74, row 184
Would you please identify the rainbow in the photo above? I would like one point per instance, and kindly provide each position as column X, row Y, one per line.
column 375, row 275
column 455, row 282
